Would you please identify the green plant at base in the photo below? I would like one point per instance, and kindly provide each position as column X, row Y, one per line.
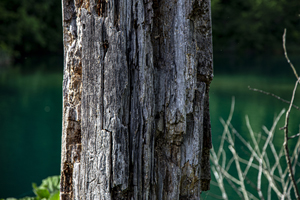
column 48, row 190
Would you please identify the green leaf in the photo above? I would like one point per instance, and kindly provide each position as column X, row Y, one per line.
column 54, row 196
column 41, row 191
column 28, row 198
column 48, row 190
column 51, row 183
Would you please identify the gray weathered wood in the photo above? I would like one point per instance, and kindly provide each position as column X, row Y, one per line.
column 136, row 121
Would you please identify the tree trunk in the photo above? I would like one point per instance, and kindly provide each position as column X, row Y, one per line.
column 136, row 119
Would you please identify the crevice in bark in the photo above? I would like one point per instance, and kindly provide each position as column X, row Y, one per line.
column 67, row 180
column 207, row 145
column 119, row 194
column 101, row 9
column 105, row 48
column 130, row 77
column 78, row 3
column 111, row 188
column 142, row 152
column 116, row 15
column 197, row 9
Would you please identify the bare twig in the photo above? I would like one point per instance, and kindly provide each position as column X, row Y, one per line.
column 226, row 127
column 229, row 164
column 217, row 173
column 252, row 135
column 285, row 144
column 251, row 196
column 249, row 164
column 235, row 188
column 277, row 164
column 240, row 173
column 298, row 134
column 256, row 188
column 296, row 153
column 214, row 195
column 273, row 95
column 269, row 192
column 286, row 56
column 219, row 179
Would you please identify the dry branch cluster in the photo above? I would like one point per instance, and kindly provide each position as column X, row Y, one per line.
column 260, row 150
column 279, row 175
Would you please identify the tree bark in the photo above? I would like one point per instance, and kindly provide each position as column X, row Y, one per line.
column 136, row 121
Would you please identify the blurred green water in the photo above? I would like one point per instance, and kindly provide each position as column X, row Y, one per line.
column 30, row 129
column 31, row 114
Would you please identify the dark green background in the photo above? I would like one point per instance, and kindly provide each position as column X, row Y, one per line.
column 242, row 27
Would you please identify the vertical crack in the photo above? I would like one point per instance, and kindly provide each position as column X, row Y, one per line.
column 130, row 75
column 101, row 8
column 111, row 166
column 105, row 48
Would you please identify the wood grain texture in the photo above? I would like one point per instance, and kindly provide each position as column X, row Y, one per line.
column 136, row 121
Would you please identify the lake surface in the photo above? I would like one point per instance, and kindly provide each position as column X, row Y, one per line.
column 31, row 113
column 30, row 126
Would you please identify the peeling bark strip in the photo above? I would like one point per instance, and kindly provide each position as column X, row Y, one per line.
column 136, row 121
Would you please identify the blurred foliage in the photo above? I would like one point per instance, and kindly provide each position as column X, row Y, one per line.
column 48, row 190
column 30, row 27
column 239, row 26
column 255, row 26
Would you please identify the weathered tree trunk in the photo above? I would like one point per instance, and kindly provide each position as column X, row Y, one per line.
column 136, row 119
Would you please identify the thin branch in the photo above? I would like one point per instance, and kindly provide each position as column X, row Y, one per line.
column 273, row 95
column 219, row 179
column 256, row 188
column 296, row 154
column 229, row 164
column 214, row 195
column 213, row 182
column 227, row 175
column 285, row 144
column 277, row 164
column 224, row 159
column 259, row 175
column 286, row 56
column 298, row 134
column 249, row 164
column 288, row 194
column 226, row 128
column 218, row 174
column 269, row 192
column 251, row 196
column 245, row 143
column 235, row 188
column 240, row 173
column 252, row 135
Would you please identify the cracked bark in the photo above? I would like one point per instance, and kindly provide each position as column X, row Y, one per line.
column 136, row 121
